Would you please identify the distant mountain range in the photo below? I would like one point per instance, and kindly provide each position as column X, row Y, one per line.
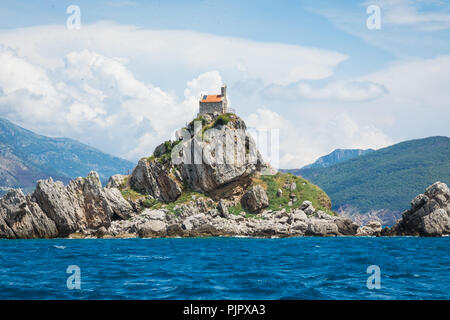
column 26, row 157
column 335, row 157
column 383, row 181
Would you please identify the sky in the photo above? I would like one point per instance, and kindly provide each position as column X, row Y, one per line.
column 316, row 71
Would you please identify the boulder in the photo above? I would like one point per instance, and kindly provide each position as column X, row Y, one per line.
column 117, row 181
column 346, row 226
column 279, row 193
column 307, row 207
column 160, row 180
column 22, row 218
column 319, row 227
column 152, row 228
column 223, row 209
column 372, row 228
column 255, row 199
column 429, row 214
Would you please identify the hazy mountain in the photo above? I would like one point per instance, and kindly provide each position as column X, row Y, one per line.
column 335, row 157
column 385, row 179
column 26, row 157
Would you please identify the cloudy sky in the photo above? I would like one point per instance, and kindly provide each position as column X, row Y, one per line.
column 133, row 72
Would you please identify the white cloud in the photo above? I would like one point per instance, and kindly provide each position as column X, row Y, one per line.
column 350, row 91
column 94, row 98
column 304, row 140
column 103, row 86
column 176, row 52
column 407, row 13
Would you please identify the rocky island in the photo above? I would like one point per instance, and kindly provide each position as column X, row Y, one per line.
column 167, row 196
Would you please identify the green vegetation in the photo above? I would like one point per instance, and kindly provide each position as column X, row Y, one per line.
column 305, row 191
column 130, row 194
column 387, row 178
column 223, row 119
column 167, row 156
column 184, row 198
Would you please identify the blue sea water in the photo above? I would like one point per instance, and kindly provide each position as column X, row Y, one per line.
column 226, row 268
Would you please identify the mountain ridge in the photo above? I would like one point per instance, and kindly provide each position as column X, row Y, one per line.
column 26, row 157
column 386, row 178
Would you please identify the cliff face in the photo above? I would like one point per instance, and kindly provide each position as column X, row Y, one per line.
column 217, row 158
column 55, row 210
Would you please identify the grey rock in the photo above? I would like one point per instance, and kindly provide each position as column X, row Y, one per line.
column 255, row 199
column 318, row 227
column 223, row 209
column 307, row 207
column 160, row 150
column 152, row 228
column 117, row 181
column 429, row 214
column 22, row 218
column 372, row 228
column 156, row 179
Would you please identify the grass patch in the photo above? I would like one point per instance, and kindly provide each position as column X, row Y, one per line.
column 305, row 191
column 185, row 197
column 130, row 194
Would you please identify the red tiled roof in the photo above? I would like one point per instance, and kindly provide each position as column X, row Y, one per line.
column 211, row 98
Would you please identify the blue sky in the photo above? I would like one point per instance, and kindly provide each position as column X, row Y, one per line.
column 312, row 69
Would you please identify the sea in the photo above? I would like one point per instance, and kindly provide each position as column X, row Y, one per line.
column 226, row 268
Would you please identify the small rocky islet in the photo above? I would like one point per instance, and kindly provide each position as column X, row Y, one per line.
column 161, row 198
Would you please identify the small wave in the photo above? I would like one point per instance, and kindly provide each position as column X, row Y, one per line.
column 59, row 247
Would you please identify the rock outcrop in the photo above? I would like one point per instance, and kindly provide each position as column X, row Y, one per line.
column 20, row 217
column 372, row 228
column 160, row 180
column 55, row 210
column 203, row 217
column 255, row 199
column 217, row 159
column 429, row 214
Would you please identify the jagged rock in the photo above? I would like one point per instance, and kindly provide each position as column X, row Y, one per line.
column 160, row 150
column 115, row 205
column 77, row 207
column 223, row 209
column 154, row 214
column 318, row 227
column 156, row 179
column 117, row 181
column 55, row 210
column 372, row 228
column 307, row 207
column 346, row 226
column 20, row 217
column 220, row 173
column 255, row 199
column 322, row 215
column 429, row 214
column 152, row 228
column 299, row 215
